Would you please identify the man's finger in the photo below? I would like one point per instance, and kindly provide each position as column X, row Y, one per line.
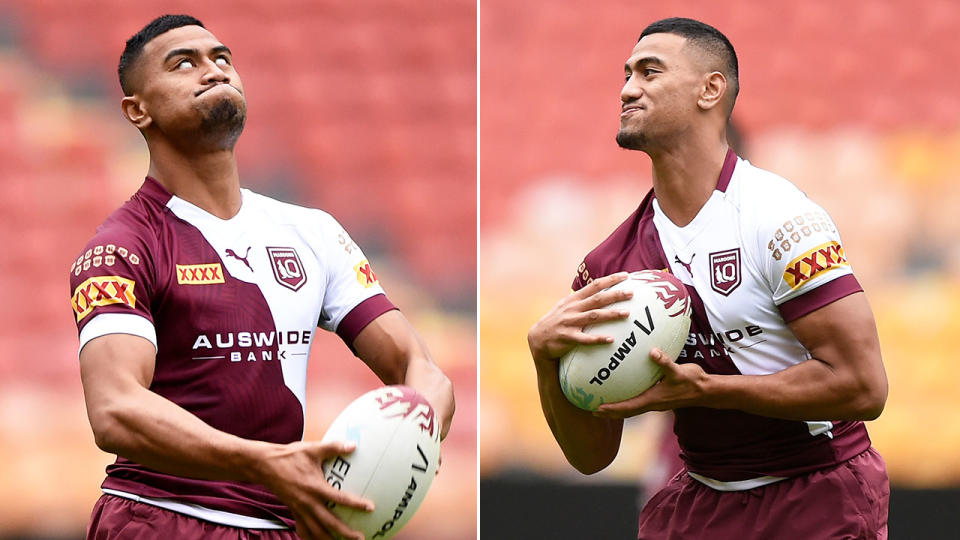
column 583, row 338
column 605, row 298
column 309, row 527
column 623, row 409
column 669, row 367
column 333, row 523
column 601, row 283
column 335, row 448
column 659, row 357
column 346, row 499
column 597, row 316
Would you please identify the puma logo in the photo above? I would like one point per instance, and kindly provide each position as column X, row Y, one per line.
column 676, row 258
column 232, row 253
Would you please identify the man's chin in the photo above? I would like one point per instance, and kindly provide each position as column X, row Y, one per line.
column 631, row 140
column 223, row 123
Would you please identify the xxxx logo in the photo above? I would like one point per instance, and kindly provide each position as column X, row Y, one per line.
column 199, row 274
column 818, row 260
column 102, row 291
column 365, row 275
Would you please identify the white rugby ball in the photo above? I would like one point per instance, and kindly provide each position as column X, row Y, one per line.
column 591, row 375
column 398, row 448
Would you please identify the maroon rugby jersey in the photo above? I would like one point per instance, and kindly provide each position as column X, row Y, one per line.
column 758, row 255
column 231, row 306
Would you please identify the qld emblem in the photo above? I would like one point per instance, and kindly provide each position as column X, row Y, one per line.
column 287, row 267
column 725, row 271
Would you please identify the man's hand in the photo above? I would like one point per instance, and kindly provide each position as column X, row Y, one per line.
column 561, row 328
column 131, row 421
column 589, row 443
column 293, row 473
column 681, row 386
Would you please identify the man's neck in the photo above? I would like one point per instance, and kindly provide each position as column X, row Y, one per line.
column 207, row 180
column 685, row 176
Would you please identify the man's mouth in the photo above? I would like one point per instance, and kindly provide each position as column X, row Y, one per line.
column 205, row 88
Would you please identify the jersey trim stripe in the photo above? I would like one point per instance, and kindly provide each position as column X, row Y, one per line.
column 201, row 512
column 737, row 485
column 118, row 323
column 827, row 293
column 726, row 173
column 362, row 315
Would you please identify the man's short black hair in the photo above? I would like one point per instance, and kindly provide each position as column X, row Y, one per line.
column 706, row 37
column 136, row 43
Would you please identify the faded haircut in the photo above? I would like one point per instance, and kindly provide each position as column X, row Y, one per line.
column 134, row 48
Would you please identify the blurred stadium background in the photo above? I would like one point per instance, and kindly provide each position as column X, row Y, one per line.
column 365, row 109
column 856, row 102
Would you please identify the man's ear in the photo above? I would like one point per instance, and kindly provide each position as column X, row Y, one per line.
column 713, row 90
column 135, row 111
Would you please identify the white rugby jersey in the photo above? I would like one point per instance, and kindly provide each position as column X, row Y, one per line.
column 232, row 306
column 758, row 255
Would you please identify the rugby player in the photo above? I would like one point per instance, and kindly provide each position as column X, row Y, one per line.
column 782, row 364
column 197, row 302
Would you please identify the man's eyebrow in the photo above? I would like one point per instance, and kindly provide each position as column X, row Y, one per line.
column 194, row 52
column 644, row 60
column 180, row 52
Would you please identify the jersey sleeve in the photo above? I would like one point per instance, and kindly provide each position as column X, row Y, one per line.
column 353, row 297
column 110, row 285
column 803, row 259
column 582, row 278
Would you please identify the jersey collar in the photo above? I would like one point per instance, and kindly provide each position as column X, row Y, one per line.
column 729, row 163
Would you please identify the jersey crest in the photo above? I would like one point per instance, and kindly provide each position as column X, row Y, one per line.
column 287, row 268
column 725, row 271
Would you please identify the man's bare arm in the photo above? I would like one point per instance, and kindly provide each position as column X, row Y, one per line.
column 397, row 354
column 843, row 380
column 589, row 443
column 131, row 421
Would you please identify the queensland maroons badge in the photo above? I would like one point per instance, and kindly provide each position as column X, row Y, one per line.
column 287, row 267
column 725, row 271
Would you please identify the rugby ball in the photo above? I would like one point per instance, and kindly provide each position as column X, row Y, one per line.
column 398, row 448
column 591, row 375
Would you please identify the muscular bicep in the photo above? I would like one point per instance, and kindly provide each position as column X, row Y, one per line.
column 113, row 365
column 387, row 344
column 843, row 335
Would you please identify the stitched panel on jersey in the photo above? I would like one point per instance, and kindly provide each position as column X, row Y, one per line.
column 218, row 351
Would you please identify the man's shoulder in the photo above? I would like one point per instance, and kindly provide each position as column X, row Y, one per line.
column 767, row 200
column 287, row 213
column 133, row 226
column 765, row 189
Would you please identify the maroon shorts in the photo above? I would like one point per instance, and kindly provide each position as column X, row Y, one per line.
column 116, row 518
column 848, row 501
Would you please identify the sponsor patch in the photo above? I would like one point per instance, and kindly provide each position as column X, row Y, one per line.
column 725, row 271
column 199, row 274
column 365, row 275
column 287, row 268
column 818, row 260
column 102, row 255
column 102, row 291
column 793, row 230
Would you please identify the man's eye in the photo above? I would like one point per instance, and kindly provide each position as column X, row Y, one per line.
column 184, row 64
column 222, row 61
